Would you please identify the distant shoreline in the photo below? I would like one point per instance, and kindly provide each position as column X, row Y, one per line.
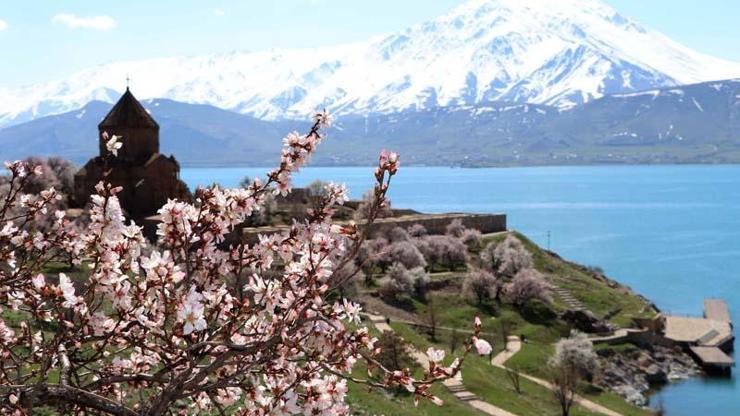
column 508, row 166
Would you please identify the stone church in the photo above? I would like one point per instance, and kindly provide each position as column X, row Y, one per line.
column 148, row 177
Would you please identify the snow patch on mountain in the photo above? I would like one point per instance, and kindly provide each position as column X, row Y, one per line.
column 525, row 51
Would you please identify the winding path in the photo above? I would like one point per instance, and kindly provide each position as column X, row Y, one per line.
column 513, row 345
column 457, row 388
column 454, row 385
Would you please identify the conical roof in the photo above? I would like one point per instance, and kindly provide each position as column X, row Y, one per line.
column 128, row 112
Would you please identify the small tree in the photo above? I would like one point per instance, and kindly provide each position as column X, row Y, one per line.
column 397, row 234
column 65, row 173
column 576, row 352
column 527, row 284
column 505, row 325
column 443, row 250
column 453, row 340
column 480, row 285
column 455, row 228
column 363, row 209
column 394, row 352
column 406, row 253
column 514, row 376
column 417, row 230
column 472, row 238
column 372, row 254
column 564, row 380
column 346, row 279
column 245, row 182
column 398, row 285
column 316, row 192
column 431, row 319
column 421, row 282
column 508, row 257
column 403, row 283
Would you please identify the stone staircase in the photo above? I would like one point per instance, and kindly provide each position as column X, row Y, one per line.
column 568, row 298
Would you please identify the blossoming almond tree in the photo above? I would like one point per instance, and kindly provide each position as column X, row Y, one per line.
column 189, row 325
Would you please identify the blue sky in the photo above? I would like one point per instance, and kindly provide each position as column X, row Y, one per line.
column 46, row 39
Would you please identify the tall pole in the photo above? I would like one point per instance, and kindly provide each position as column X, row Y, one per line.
column 548, row 240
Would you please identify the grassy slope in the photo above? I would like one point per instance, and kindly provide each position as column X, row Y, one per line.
column 491, row 383
column 597, row 294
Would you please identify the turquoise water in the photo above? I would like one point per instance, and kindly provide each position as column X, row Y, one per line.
column 670, row 232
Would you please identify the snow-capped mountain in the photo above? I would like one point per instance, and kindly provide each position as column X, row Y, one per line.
column 560, row 53
column 697, row 123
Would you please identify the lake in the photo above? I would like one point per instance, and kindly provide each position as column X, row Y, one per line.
column 670, row 232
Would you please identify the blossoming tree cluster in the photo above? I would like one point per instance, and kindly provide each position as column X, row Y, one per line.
column 189, row 325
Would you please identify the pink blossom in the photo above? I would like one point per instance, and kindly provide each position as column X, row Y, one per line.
column 39, row 281
column 436, row 356
column 112, row 144
column 68, row 291
column 482, row 346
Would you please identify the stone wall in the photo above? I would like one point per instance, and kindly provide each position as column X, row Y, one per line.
column 434, row 223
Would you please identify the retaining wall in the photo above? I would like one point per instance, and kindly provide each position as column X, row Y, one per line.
column 434, row 223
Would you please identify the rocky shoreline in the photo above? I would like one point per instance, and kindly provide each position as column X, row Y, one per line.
column 632, row 371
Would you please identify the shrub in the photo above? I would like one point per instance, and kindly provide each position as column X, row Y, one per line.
column 480, row 285
column 508, row 257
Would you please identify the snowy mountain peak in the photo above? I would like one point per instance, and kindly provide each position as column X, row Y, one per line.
column 526, row 51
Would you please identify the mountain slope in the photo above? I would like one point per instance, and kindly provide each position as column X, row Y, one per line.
column 195, row 134
column 696, row 123
column 523, row 51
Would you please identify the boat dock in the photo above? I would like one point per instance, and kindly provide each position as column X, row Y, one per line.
column 708, row 339
column 716, row 310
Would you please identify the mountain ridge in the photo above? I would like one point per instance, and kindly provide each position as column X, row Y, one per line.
column 483, row 51
column 698, row 123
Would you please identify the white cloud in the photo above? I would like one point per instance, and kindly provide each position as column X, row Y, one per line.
column 219, row 12
column 3, row 25
column 75, row 22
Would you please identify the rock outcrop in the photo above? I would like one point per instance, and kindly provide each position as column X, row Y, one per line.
column 585, row 321
column 631, row 372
